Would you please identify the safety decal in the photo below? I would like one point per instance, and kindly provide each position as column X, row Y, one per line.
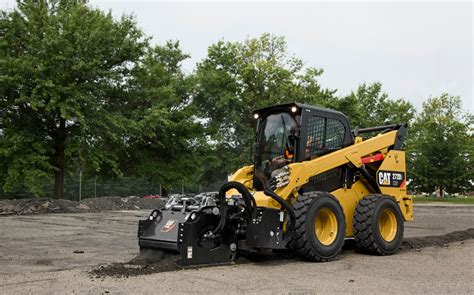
column 190, row 252
column 390, row 178
column 170, row 224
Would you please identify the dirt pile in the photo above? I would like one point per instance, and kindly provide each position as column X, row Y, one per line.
column 145, row 263
column 158, row 261
column 44, row 206
column 437, row 241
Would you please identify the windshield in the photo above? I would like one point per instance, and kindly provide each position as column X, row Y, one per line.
column 274, row 147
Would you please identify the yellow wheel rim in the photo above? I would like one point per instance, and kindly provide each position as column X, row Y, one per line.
column 388, row 225
column 325, row 226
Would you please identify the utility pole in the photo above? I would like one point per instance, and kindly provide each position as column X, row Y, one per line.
column 80, row 184
column 95, row 186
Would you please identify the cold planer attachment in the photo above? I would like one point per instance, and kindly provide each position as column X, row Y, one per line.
column 189, row 233
column 161, row 229
column 209, row 228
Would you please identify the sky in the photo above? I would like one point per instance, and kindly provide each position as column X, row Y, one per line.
column 415, row 49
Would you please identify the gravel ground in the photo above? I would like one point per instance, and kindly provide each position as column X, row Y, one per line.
column 37, row 255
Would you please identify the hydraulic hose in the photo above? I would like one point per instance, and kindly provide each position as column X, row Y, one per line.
column 249, row 201
column 283, row 204
column 370, row 179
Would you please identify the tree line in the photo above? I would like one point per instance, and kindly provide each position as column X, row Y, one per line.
column 82, row 88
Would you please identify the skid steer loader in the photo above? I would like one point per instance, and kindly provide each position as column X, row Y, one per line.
column 314, row 183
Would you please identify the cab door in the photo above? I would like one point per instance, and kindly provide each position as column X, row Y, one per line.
column 322, row 133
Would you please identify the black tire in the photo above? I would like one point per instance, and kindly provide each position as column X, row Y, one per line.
column 304, row 239
column 367, row 225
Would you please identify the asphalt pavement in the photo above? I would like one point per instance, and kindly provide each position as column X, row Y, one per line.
column 53, row 253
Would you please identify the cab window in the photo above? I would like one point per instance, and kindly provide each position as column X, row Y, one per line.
column 324, row 136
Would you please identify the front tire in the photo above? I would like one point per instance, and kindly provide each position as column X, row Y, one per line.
column 320, row 227
column 378, row 225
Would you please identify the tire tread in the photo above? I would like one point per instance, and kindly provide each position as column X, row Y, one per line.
column 299, row 241
column 362, row 225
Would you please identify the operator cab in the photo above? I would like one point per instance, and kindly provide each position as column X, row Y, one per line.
column 295, row 132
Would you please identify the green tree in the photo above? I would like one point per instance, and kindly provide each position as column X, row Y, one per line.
column 65, row 70
column 238, row 77
column 165, row 136
column 441, row 147
column 369, row 106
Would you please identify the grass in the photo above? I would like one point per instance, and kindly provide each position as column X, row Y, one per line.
column 457, row 200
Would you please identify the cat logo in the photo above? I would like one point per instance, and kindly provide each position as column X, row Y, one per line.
column 384, row 178
column 170, row 224
column 391, row 178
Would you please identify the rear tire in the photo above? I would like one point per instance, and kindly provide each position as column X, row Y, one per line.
column 378, row 225
column 320, row 227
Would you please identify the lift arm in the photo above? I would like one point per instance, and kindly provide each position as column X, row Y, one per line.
column 300, row 173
